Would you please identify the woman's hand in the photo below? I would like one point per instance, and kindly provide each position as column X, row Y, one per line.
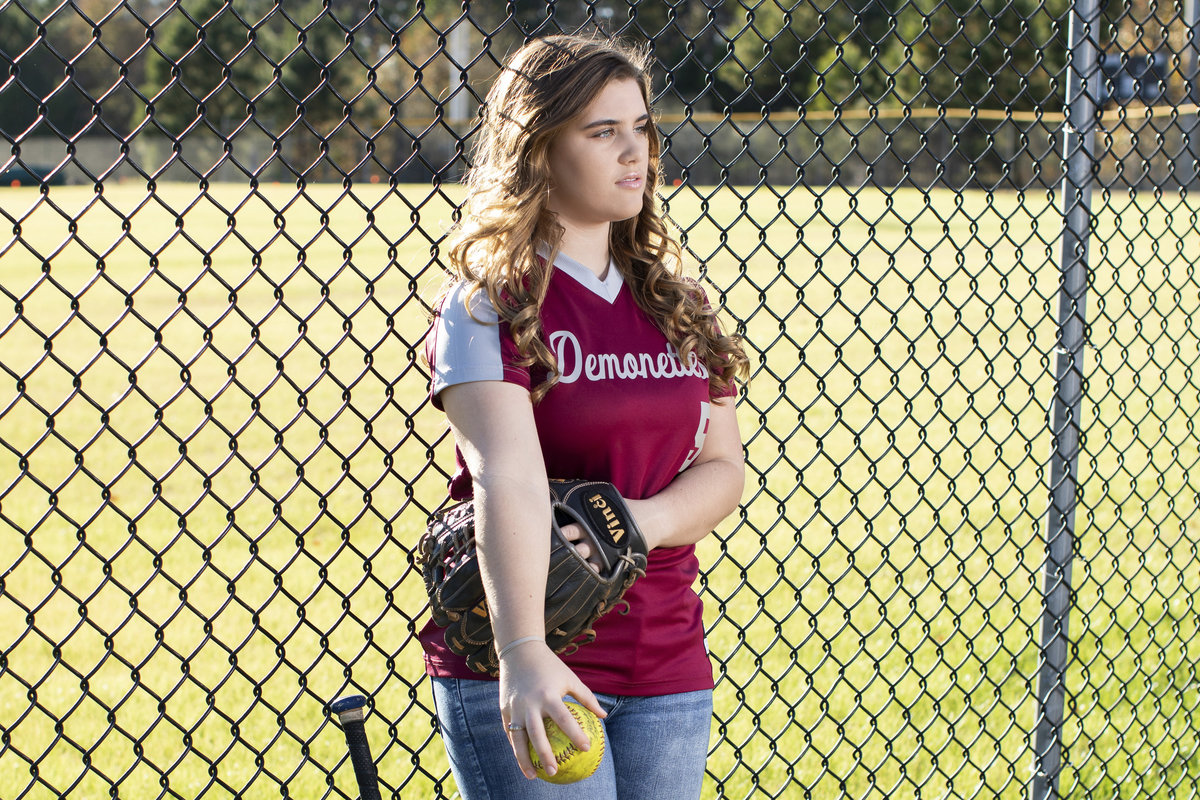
column 533, row 683
column 573, row 533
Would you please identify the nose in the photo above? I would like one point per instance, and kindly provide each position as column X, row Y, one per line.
column 635, row 147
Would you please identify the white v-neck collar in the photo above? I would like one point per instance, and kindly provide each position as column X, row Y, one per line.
column 606, row 289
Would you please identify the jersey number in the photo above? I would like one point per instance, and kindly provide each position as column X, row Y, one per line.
column 701, row 432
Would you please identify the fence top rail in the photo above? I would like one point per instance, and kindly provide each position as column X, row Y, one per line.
column 1107, row 115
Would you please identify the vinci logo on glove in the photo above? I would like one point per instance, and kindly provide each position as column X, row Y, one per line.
column 606, row 518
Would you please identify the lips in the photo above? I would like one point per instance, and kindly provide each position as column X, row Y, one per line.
column 631, row 182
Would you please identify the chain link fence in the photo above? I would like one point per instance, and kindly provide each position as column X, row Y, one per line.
column 957, row 236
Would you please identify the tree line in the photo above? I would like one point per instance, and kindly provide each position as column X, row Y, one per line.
column 97, row 67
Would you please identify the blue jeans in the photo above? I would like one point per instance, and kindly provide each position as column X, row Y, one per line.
column 657, row 746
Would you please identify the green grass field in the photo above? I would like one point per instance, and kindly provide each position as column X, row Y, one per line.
column 215, row 455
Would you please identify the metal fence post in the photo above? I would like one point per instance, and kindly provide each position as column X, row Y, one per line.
column 1189, row 169
column 1083, row 86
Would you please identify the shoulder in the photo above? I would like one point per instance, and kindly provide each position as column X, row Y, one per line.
column 461, row 307
column 468, row 343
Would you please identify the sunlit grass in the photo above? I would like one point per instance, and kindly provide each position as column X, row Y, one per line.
column 215, row 451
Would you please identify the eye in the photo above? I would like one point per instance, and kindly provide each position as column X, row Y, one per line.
column 603, row 134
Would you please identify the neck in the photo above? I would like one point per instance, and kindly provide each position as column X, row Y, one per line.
column 587, row 245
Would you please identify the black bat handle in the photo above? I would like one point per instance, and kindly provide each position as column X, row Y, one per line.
column 349, row 711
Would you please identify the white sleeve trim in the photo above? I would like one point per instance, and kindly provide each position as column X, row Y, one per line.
column 466, row 346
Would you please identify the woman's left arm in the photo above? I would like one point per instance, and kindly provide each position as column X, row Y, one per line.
column 703, row 494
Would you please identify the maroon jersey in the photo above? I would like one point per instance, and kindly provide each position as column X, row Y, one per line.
column 626, row 409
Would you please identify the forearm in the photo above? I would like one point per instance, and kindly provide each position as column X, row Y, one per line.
column 693, row 504
column 493, row 426
column 512, row 534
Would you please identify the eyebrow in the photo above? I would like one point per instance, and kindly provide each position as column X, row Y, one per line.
column 602, row 123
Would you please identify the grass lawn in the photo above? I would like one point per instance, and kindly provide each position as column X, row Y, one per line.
column 216, row 452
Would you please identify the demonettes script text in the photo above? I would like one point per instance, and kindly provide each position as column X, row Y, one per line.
column 573, row 363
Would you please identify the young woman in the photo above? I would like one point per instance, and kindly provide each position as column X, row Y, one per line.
column 570, row 347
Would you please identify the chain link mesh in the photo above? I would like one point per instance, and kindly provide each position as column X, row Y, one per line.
column 224, row 229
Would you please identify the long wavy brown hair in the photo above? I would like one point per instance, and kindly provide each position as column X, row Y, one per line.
column 544, row 86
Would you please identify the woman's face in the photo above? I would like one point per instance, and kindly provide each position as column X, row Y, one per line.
column 599, row 162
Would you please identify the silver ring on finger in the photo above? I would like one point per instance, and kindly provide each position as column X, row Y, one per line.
column 513, row 727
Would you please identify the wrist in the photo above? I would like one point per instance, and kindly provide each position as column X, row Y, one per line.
column 515, row 643
column 643, row 515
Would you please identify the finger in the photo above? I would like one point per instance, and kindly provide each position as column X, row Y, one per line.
column 518, row 740
column 583, row 695
column 570, row 726
column 574, row 534
column 541, row 743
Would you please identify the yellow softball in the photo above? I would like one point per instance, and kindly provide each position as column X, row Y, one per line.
column 573, row 764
